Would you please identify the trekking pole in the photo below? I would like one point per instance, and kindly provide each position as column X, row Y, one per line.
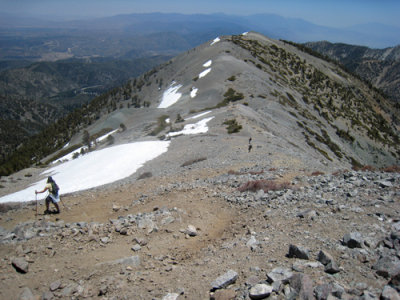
column 36, row 204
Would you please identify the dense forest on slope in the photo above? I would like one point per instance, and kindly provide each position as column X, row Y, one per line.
column 37, row 95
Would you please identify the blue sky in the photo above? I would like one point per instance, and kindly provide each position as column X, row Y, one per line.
column 337, row 13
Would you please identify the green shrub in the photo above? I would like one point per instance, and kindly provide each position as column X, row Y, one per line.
column 233, row 126
column 161, row 125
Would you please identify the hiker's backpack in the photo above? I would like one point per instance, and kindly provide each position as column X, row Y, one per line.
column 54, row 189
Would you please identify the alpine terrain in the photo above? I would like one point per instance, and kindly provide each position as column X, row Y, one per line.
column 262, row 172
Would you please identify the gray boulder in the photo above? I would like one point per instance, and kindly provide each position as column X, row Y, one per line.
column 298, row 252
column 224, row 280
column 20, row 264
column 260, row 291
column 353, row 240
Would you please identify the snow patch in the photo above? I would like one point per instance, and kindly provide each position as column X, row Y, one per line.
column 199, row 115
column 204, row 73
column 245, row 33
column 193, row 92
column 171, row 95
column 95, row 169
column 199, row 127
column 207, row 64
column 216, row 40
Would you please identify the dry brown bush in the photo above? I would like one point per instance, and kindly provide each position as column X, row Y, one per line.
column 317, row 173
column 265, row 185
column 392, row 169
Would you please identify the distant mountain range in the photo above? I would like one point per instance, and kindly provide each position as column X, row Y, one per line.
column 372, row 34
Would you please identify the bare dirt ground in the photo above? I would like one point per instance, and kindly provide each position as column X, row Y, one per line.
column 170, row 260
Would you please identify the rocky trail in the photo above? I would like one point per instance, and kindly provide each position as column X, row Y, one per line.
column 206, row 234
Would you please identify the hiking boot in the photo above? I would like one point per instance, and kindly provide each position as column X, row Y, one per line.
column 56, row 212
column 46, row 212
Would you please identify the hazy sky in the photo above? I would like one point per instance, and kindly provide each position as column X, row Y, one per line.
column 337, row 13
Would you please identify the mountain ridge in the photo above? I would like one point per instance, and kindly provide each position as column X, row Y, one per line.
column 333, row 114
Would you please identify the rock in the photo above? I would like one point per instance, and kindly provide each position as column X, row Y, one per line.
column 116, row 207
column 47, row 295
column 332, row 268
column 131, row 261
column 279, row 275
column 385, row 184
column 26, row 294
column 395, row 279
column 123, row 231
column 55, row 285
column 191, row 230
column 353, row 240
column 387, row 266
column 252, row 242
column 322, row 291
column 171, row 296
column 389, row 293
column 303, row 286
column 307, row 214
column 136, row 247
column 324, row 257
column 260, row 291
column 20, row 264
column 227, row 294
column 140, row 241
column 298, row 252
column 224, row 280
column 105, row 240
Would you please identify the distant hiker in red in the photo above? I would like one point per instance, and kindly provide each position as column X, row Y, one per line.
column 53, row 196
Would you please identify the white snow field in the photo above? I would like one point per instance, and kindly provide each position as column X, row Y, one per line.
column 199, row 127
column 94, row 169
column 171, row 95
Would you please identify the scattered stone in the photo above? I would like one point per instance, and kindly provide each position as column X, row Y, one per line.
column 171, row 296
column 387, row 266
column 191, row 230
column 279, row 275
column 260, row 291
column 353, row 240
column 47, row 295
column 26, row 294
column 136, row 247
column 389, row 293
column 224, row 280
column 226, row 294
column 298, row 252
column 332, row 268
column 20, row 264
column 55, row 285
column 303, row 286
column 324, row 257
column 116, row 207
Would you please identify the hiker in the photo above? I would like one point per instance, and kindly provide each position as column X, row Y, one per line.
column 53, row 196
column 250, row 145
